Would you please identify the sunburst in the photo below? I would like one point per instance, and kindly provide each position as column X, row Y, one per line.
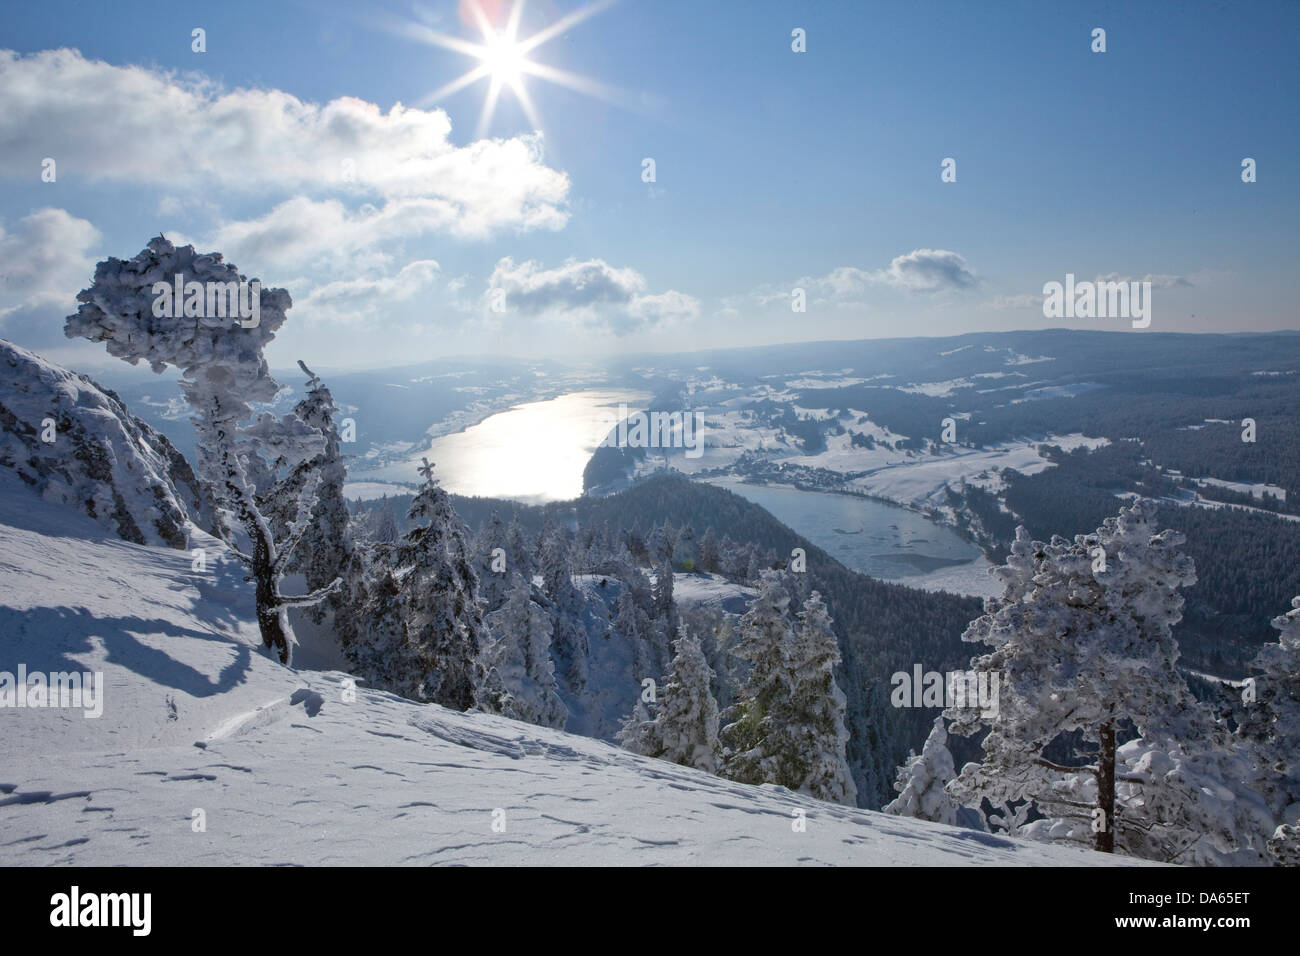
column 503, row 59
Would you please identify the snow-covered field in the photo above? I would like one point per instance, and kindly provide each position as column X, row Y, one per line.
column 208, row 752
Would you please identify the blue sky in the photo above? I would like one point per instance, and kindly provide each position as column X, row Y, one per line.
column 774, row 170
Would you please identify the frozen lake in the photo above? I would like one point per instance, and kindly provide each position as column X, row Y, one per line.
column 882, row 540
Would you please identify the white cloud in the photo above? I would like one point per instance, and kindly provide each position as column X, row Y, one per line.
column 44, row 261
column 930, row 270
column 363, row 299
column 588, row 292
column 49, row 251
column 177, row 132
column 919, row 271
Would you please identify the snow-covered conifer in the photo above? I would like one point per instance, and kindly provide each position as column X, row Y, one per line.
column 639, row 733
column 921, row 781
column 325, row 552
column 687, row 721
column 787, row 726
column 517, row 660
column 440, row 608
column 569, row 636
column 710, row 552
column 492, row 583
column 1084, row 652
column 1271, row 719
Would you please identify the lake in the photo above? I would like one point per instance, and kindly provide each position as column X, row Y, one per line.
column 534, row 452
column 879, row 539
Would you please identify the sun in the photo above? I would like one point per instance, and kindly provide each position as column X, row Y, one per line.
column 503, row 58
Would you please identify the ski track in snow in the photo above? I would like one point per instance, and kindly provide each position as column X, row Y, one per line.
column 197, row 717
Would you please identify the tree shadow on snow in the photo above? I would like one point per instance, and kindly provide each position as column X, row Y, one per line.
column 46, row 638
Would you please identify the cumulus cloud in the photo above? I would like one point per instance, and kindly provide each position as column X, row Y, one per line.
column 304, row 232
column 588, row 292
column 930, row 270
column 45, row 258
column 48, row 251
column 176, row 131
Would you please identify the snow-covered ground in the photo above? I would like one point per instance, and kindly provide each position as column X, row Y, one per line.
column 920, row 481
column 1256, row 489
column 288, row 766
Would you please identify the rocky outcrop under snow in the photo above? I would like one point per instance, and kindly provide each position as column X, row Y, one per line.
column 74, row 443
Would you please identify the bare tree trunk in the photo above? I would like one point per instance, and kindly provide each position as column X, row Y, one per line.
column 270, row 621
column 270, row 618
column 1105, row 826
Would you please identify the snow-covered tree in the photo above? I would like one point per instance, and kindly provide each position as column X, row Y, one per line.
column 665, row 608
column 493, row 584
column 1284, row 845
column 817, row 705
column 325, row 552
column 787, row 726
column 660, row 542
column 686, row 551
column 224, row 370
column 519, row 550
column 373, row 635
column 639, row 733
column 921, row 781
column 520, row 676
column 710, row 552
column 569, row 636
column 1271, row 718
column 440, row 610
column 386, row 530
column 1084, row 649
column 631, row 622
column 687, row 721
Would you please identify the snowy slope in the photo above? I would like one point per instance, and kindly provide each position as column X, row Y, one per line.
column 286, row 770
column 76, row 444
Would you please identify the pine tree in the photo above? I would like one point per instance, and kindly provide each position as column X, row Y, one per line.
column 665, row 608
column 639, row 733
column 519, row 550
column 376, row 649
column 440, row 610
column 493, row 584
column 817, row 706
column 570, row 638
column 787, row 726
column 710, row 553
column 921, row 781
column 386, row 530
column 517, row 660
column 325, row 552
column 630, row 621
column 224, row 370
column 1271, row 721
column 1084, row 649
column 686, row 553
column 687, row 722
